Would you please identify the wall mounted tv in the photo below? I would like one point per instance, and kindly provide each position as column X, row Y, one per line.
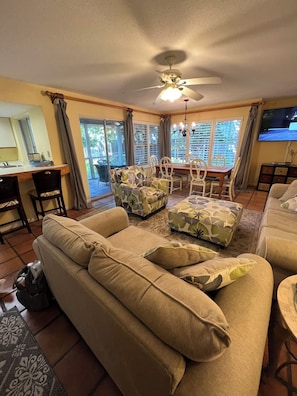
column 278, row 125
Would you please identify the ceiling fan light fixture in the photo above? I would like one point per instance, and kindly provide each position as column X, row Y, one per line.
column 171, row 94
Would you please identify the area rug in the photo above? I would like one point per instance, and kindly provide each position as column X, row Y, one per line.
column 23, row 368
column 244, row 239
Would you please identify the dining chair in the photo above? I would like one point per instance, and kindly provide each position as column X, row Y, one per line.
column 198, row 173
column 48, row 188
column 228, row 185
column 102, row 171
column 153, row 162
column 217, row 160
column 186, row 160
column 10, row 199
column 167, row 172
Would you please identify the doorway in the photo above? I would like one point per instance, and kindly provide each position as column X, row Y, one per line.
column 104, row 148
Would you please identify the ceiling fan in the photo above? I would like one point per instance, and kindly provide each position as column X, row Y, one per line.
column 174, row 86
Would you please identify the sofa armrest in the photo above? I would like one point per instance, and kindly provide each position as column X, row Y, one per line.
column 277, row 190
column 246, row 304
column 281, row 253
column 108, row 222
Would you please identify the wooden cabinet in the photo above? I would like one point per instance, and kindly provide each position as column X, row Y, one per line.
column 7, row 137
column 276, row 173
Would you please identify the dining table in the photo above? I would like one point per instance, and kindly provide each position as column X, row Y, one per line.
column 219, row 172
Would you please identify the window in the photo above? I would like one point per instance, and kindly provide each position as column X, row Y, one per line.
column 209, row 138
column 178, row 146
column 200, row 140
column 146, row 143
column 154, row 141
column 103, row 143
column 226, row 136
column 27, row 134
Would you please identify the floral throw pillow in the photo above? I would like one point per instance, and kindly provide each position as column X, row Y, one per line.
column 215, row 274
column 290, row 204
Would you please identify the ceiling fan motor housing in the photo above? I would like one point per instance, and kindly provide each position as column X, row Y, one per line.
column 170, row 76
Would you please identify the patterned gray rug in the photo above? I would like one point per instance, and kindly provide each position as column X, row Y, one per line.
column 23, row 368
column 244, row 239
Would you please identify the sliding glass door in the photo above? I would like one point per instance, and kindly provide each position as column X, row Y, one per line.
column 103, row 142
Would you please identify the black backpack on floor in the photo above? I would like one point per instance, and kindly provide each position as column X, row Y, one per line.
column 32, row 288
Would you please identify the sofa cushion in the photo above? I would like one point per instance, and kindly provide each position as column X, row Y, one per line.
column 273, row 203
column 282, row 235
column 281, row 219
column 181, row 315
column 136, row 239
column 74, row 239
column 214, row 274
column 176, row 254
column 291, row 191
column 290, row 204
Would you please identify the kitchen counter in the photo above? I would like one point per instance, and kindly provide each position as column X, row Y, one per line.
column 24, row 173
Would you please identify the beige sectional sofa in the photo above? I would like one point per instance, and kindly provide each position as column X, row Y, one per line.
column 153, row 332
column 277, row 241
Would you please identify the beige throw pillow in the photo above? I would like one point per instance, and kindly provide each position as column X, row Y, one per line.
column 74, row 239
column 176, row 254
column 179, row 314
column 214, row 274
column 291, row 191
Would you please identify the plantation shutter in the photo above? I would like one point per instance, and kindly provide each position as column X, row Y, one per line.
column 200, row 140
column 140, row 144
column 154, row 147
column 178, row 146
column 226, row 136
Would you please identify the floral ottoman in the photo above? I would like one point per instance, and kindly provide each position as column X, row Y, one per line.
column 211, row 219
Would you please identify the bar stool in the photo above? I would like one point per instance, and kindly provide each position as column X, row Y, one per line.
column 47, row 187
column 10, row 199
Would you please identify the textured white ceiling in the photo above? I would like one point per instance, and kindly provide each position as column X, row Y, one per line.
column 111, row 48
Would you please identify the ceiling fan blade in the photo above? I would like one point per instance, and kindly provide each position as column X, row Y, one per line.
column 201, row 81
column 158, row 98
column 153, row 87
column 191, row 94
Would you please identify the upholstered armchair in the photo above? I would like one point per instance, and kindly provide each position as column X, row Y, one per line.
column 136, row 193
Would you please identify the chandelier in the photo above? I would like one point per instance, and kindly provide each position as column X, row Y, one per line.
column 183, row 126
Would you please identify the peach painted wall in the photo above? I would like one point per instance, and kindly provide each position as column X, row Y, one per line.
column 20, row 92
column 267, row 152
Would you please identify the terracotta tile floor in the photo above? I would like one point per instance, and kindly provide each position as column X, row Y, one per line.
column 73, row 362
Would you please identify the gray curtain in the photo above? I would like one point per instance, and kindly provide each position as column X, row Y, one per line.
column 241, row 182
column 80, row 200
column 165, row 141
column 129, row 138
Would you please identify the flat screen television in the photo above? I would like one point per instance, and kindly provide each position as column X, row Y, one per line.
column 278, row 125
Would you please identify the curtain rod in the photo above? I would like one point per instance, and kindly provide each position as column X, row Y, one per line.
column 54, row 95
column 221, row 108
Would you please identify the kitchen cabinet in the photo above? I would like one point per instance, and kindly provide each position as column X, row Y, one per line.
column 6, row 135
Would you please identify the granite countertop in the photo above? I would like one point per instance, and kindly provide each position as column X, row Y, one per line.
column 24, row 172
